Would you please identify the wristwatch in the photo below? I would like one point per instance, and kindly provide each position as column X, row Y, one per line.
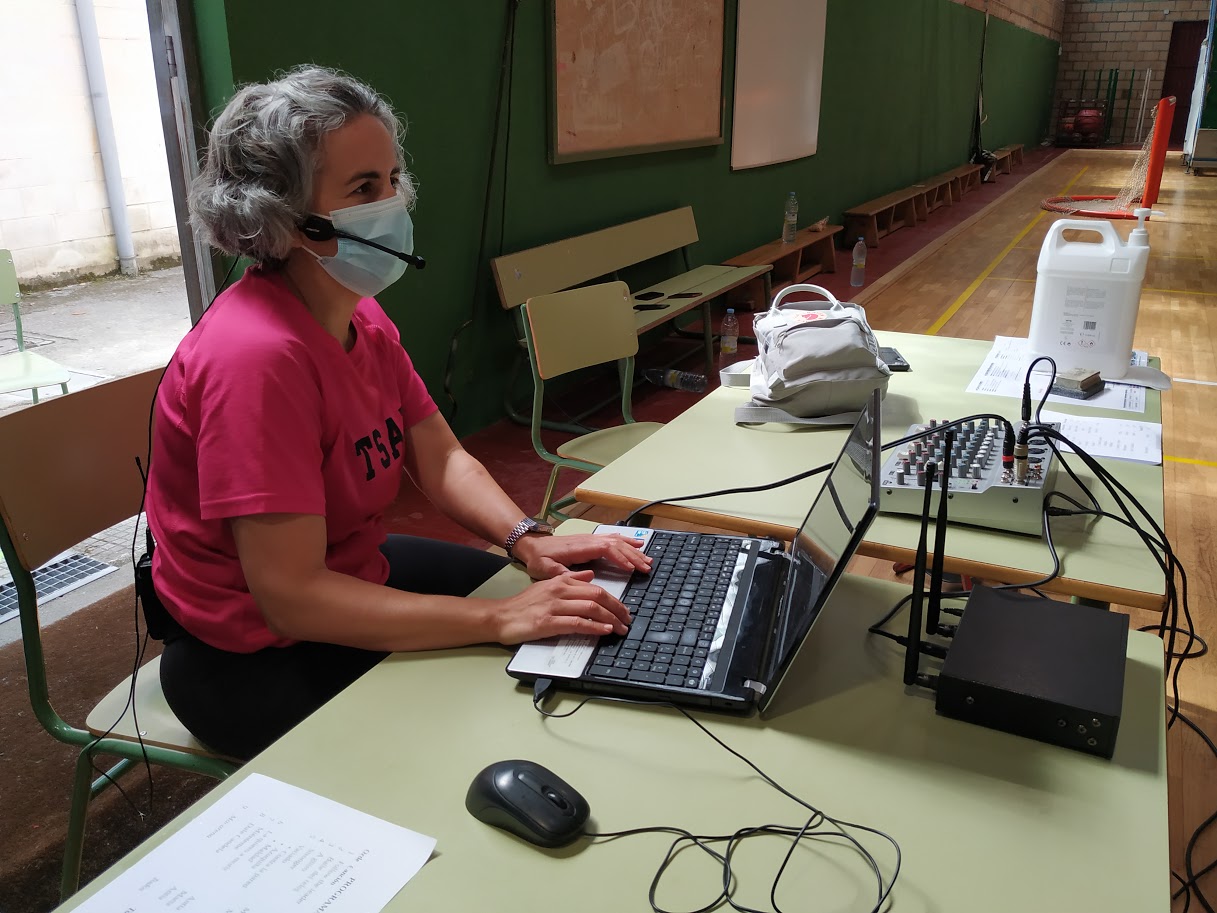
column 525, row 527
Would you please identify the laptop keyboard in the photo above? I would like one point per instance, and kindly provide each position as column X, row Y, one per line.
column 675, row 612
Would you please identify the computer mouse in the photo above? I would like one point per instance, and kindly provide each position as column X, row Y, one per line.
column 529, row 801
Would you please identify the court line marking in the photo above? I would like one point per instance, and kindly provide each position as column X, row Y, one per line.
column 1190, row 462
column 976, row 283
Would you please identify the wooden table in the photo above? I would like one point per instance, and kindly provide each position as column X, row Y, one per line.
column 985, row 820
column 704, row 450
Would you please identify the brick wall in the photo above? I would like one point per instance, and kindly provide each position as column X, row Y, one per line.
column 1044, row 17
column 54, row 215
column 1132, row 37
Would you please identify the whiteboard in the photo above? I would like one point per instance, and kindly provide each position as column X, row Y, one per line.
column 779, row 69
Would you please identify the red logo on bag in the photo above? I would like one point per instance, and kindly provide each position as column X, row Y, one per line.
column 811, row 315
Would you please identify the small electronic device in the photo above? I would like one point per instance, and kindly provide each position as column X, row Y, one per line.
column 528, row 800
column 893, row 359
column 648, row 296
column 686, row 295
column 649, row 307
column 983, row 489
column 1035, row 667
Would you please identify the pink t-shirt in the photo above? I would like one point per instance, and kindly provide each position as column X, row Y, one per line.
column 262, row 411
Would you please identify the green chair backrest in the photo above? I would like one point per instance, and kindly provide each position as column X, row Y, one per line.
column 10, row 292
column 67, row 467
column 579, row 328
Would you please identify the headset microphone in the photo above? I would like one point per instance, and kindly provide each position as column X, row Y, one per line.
column 317, row 228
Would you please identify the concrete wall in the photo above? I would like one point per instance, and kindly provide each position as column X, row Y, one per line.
column 54, row 215
column 1044, row 17
column 1129, row 36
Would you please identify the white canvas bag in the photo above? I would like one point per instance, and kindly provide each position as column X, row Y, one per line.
column 817, row 364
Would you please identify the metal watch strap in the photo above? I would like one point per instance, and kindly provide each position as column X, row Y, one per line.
column 517, row 533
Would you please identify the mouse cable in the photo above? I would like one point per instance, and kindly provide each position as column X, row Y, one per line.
column 798, row 477
column 818, row 817
column 141, row 639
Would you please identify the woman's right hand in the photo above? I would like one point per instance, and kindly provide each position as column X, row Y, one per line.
column 567, row 604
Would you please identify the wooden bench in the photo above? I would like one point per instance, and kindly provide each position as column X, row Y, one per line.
column 1007, row 157
column 965, row 178
column 880, row 217
column 810, row 252
column 935, row 192
column 602, row 254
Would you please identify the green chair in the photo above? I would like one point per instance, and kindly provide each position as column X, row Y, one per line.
column 568, row 331
column 22, row 370
column 67, row 472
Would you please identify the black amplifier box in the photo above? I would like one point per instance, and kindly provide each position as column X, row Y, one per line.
column 1034, row 667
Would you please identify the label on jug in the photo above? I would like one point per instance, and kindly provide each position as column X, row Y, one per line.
column 1081, row 317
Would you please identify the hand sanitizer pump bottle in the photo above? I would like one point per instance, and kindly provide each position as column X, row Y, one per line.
column 1087, row 295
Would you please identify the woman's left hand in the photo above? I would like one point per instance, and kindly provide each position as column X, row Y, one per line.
column 549, row 556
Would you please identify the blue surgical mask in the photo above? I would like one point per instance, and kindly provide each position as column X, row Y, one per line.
column 365, row 270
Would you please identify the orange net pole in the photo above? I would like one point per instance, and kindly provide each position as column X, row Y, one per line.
column 1157, row 152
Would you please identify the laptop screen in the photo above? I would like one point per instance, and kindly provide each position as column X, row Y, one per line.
column 830, row 534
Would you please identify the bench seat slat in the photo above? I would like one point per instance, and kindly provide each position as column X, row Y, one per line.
column 708, row 281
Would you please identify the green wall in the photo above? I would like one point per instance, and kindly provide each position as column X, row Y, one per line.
column 899, row 83
column 1020, row 75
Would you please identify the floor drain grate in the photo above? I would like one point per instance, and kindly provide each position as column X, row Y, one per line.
column 64, row 574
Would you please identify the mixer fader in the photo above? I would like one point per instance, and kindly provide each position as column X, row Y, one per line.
column 982, row 489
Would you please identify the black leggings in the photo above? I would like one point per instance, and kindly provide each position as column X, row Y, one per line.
column 238, row 703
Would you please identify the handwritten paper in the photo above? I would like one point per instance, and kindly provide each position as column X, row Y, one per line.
column 265, row 847
column 1116, row 438
column 1005, row 368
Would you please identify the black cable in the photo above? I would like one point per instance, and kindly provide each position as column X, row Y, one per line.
column 1191, row 883
column 506, row 72
column 1047, row 389
column 1168, row 562
column 141, row 640
column 798, row 477
column 817, row 816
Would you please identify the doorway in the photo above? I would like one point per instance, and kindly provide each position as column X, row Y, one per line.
column 1179, row 77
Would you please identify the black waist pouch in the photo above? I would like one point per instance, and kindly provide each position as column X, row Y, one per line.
column 160, row 624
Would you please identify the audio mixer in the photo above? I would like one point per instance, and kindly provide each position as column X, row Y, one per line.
column 981, row 490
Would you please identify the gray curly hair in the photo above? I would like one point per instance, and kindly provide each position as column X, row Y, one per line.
column 257, row 179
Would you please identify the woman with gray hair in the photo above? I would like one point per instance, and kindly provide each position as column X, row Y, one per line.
column 284, row 423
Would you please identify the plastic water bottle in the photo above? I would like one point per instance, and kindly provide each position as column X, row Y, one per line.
column 790, row 223
column 728, row 334
column 677, row 380
column 857, row 275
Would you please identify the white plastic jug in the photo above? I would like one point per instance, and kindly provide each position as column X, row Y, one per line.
column 1087, row 295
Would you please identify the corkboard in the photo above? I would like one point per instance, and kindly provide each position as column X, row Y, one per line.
column 631, row 76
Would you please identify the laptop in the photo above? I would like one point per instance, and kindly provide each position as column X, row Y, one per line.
column 718, row 619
